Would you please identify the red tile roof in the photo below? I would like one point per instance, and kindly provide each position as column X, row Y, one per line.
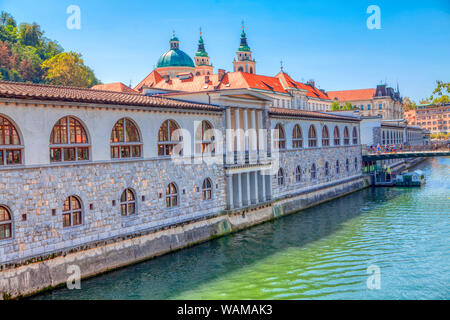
column 231, row 80
column 309, row 114
column 151, row 80
column 352, row 95
column 238, row 80
column 83, row 95
column 117, row 86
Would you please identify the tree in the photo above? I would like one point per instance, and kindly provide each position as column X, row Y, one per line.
column 441, row 93
column 408, row 104
column 30, row 35
column 335, row 106
column 347, row 106
column 8, row 28
column 68, row 69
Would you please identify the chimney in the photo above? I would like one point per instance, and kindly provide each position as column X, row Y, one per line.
column 221, row 74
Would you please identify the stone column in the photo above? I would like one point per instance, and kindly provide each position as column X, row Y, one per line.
column 253, row 139
column 238, row 133
column 255, row 197
column 229, row 136
column 269, row 196
column 246, row 135
column 247, row 182
column 263, row 186
column 230, row 202
column 261, row 137
column 239, row 190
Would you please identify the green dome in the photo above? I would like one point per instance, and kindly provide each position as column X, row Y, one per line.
column 175, row 58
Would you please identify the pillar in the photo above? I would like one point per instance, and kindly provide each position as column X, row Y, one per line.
column 239, row 191
column 263, row 186
column 253, row 139
column 238, row 133
column 229, row 136
column 261, row 137
column 255, row 198
column 230, row 194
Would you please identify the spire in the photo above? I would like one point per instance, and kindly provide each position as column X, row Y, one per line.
column 281, row 65
column 174, row 42
column 244, row 46
column 201, row 52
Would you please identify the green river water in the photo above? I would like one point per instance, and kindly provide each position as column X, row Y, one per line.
column 320, row 253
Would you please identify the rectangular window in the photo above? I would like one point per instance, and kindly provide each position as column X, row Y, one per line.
column 55, row 155
column 66, row 220
column 136, row 151
column 69, row 154
column 115, row 152
column 13, row 157
column 125, row 152
column 5, row 231
column 76, row 218
column 83, row 154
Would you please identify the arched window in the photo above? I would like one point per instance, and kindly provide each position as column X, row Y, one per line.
column 207, row 189
column 325, row 136
column 327, row 169
column 312, row 137
column 125, row 140
column 297, row 137
column 5, row 223
column 355, row 136
column 347, row 166
column 338, row 167
column 280, row 177
column 69, row 141
column 298, row 174
column 171, row 195
column 279, row 138
column 169, row 136
column 10, row 148
column 346, row 136
column 72, row 212
column 356, row 164
column 337, row 136
column 313, row 171
column 128, row 203
column 204, row 137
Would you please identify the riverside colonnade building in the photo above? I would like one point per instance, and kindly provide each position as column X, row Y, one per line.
column 81, row 166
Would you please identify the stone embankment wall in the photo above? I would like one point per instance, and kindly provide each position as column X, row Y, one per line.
column 50, row 271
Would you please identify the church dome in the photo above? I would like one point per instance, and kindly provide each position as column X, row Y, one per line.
column 175, row 58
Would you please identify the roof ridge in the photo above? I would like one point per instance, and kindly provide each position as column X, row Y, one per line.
column 68, row 87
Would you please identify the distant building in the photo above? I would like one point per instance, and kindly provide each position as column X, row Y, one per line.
column 381, row 101
column 176, row 72
column 431, row 117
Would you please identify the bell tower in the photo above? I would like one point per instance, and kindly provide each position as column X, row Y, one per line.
column 202, row 66
column 243, row 61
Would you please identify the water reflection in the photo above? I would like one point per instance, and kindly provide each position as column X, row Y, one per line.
column 322, row 252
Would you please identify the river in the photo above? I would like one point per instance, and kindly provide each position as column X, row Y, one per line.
column 320, row 253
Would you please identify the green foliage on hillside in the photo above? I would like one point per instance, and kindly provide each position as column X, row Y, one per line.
column 26, row 55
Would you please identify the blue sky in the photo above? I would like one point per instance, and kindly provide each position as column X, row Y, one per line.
column 323, row 40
